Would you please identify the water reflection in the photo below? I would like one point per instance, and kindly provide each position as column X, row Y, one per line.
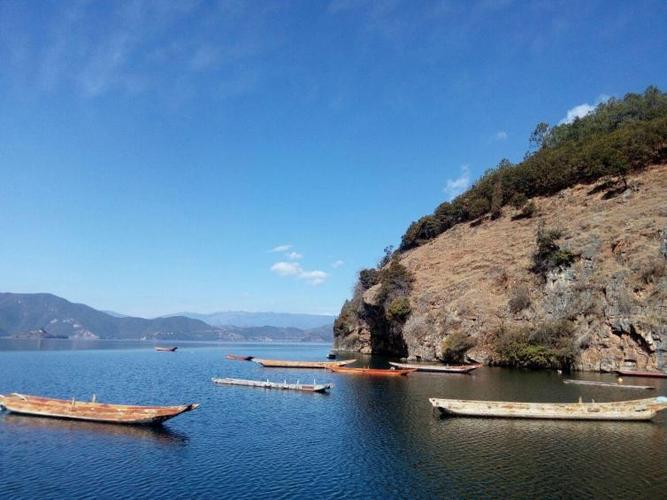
column 156, row 434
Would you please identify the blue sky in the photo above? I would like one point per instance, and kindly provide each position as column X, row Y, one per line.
column 155, row 154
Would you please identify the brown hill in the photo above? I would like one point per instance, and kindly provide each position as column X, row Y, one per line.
column 475, row 284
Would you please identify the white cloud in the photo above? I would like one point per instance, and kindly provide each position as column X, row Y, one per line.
column 287, row 268
column 294, row 269
column 281, row 248
column 314, row 277
column 582, row 110
column 337, row 263
column 294, row 255
column 454, row 187
column 501, row 135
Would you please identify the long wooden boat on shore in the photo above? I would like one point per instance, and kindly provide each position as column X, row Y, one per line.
column 383, row 372
column 607, row 384
column 91, row 411
column 639, row 409
column 166, row 349
column 437, row 368
column 642, row 373
column 235, row 357
column 277, row 363
column 265, row 384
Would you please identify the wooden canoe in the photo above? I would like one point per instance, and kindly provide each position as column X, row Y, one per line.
column 91, row 411
column 383, row 372
column 276, row 363
column 165, row 349
column 235, row 357
column 642, row 373
column 639, row 409
column 265, row 384
column 607, row 384
column 437, row 368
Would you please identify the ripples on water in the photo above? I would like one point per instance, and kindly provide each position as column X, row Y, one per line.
column 369, row 438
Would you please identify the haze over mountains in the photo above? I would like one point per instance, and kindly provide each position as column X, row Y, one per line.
column 46, row 315
column 248, row 319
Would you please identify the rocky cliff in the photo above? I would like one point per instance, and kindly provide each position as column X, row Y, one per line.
column 478, row 279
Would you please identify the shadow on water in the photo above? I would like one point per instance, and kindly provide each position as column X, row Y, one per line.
column 158, row 434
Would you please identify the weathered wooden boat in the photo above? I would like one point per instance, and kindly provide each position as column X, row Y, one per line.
column 642, row 373
column 437, row 368
column 607, row 384
column 265, row 384
column 165, row 349
column 235, row 357
column 383, row 372
column 276, row 363
column 639, row 409
column 91, row 411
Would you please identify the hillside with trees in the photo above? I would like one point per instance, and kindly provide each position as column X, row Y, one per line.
column 558, row 261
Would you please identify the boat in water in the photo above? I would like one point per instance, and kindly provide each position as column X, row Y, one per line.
column 165, row 349
column 265, row 384
column 91, row 411
column 639, row 409
column 331, row 355
column 437, row 368
column 235, row 357
column 607, row 384
column 642, row 373
column 383, row 372
column 277, row 363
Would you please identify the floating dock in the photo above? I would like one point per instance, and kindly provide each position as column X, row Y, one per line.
column 265, row 384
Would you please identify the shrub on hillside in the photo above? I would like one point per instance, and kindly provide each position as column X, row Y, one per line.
column 519, row 299
column 549, row 255
column 549, row 345
column 368, row 278
column 399, row 309
column 455, row 345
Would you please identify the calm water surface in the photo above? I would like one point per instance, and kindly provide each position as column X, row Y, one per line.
column 370, row 438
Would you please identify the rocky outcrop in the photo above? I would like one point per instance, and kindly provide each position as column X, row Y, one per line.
column 476, row 279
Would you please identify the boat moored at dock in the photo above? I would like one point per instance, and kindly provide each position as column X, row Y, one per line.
column 634, row 410
column 382, row 372
column 265, row 384
column 436, row 368
column 91, row 411
column 277, row 363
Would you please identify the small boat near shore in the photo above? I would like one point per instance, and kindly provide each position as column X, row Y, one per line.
column 437, row 368
column 265, row 384
column 235, row 357
column 642, row 373
column 607, row 384
column 320, row 365
column 383, row 372
column 91, row 411
column 166, row 348
column 634, row 410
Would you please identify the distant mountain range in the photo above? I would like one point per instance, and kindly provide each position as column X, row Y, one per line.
column 248, row 319
column 28, row 314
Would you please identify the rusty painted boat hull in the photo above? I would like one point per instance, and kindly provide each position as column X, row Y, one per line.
column 91, row 411
column 382, row 372
column 437, row 368
column 634, row 410
column 320, row 365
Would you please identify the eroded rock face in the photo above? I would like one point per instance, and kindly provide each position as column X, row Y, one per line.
column 465, row 279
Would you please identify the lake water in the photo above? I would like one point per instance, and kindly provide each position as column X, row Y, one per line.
column 368, row 438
